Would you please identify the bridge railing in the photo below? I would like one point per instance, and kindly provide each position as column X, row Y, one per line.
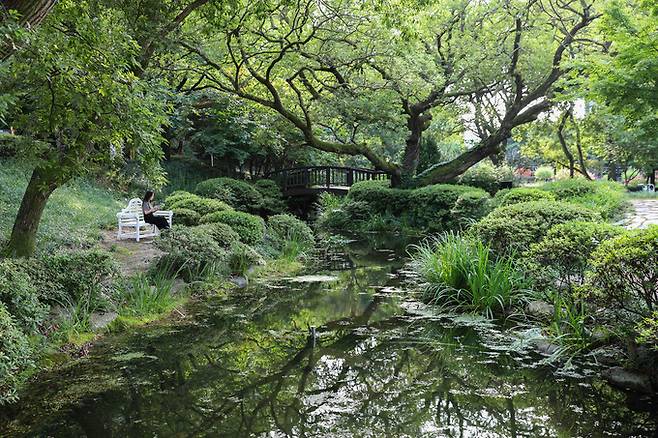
column 323, row 177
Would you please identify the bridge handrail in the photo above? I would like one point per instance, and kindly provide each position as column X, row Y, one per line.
column 323, row 177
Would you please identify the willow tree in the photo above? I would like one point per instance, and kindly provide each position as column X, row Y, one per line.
column 335, row 68
column 77, row 106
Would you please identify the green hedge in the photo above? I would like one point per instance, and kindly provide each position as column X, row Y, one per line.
column 20, row 296
column 222, row 234
column 434, row 208
column 515, row 227
column 285, row 229
column 189, row 250
column 605, row 197
column 202, row 206
column 273, row 202
column 250, row 228
column 522, row 194
column 239, row 194
column 185, row 216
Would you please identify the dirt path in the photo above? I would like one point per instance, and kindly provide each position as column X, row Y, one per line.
column 133, row 257
column 645, row 213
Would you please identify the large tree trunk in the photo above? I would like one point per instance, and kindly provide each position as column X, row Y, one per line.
column 23, row 236
column 416, row 123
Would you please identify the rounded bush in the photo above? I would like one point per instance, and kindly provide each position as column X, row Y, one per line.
column 245, row 197
column 544, row 173
column 624, row 274
column 283, row 229
column 273, row 202
column 242, row 257
column 606, row 197
column 202, row 206
column 250, row 228
column 570, row 188
column 185, row 216
column 20, row 296
column 189, row 251
column 515, row 227
column 561, row 257
column 177, row 196
column 522, row 194
column 223, row 234
column 484, row 176
column 15, row 353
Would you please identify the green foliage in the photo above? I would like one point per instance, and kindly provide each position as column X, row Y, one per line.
column 461, row 274
column 544, row 173
column 221, row 233
column 605, row 197
column 624, row 274
column 178, row 195
column 143, row 294
column 273, row 202
column 521, row 194
column 485, row 176
column 436, row 207
column 647, row 331
column 250, row 228
column 185, row 216
column 191, row 252
column 239, row 194
column 561, row 257
column 203, row 206
column 289, row 235
column 20, row 297
column 515, row 227
column 242, row 257
column 15, row 356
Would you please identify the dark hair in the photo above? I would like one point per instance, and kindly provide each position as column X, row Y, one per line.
column 147, row 196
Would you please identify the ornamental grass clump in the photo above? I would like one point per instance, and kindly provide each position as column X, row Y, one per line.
column 460, row 273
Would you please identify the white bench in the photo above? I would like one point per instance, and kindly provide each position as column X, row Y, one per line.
column 132, row 224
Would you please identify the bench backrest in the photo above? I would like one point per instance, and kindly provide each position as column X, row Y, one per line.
column 135, row 207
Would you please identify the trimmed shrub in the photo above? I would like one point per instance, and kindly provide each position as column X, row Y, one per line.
column 522, row 194
column 15, row 353
column 190, row 251
column 273, row 202
column 285, row 229
column 515, row 227
column 223, row 234
column 484, row 176
column 20, row 297
column 202, row 206
column 177, row 196
column 544, row 173
column 242, row 257
column 434, row 208
column 624, row 275
column 605, row 197
column 185, row 216
column 245, row 197
column 561, row 258
column 250, row 228
column 85, row 275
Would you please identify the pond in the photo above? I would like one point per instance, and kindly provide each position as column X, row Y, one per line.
column 381, row 364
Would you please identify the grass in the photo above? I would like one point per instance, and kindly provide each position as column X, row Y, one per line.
column 461, row 274
column 73, row 217
column 641, row 195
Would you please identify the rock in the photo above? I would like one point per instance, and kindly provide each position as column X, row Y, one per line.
column 100, row 320
column 625, row 379
column 58, row 312
column 609, row 355
column 545, row 347
column 540, row 309
column 240, row 282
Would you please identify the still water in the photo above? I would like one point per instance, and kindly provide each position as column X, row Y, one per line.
column 381, row 364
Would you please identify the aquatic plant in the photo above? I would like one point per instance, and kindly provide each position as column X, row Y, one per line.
column 460, row 273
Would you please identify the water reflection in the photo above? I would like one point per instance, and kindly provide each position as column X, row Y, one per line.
column 246, row 366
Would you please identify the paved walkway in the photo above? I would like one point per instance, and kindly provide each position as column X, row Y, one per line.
column 645, row 214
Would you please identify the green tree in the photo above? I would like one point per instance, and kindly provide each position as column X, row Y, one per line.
column 78, row 106
column 344, row 72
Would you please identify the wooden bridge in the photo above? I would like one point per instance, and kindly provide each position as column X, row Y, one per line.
column 300, row 181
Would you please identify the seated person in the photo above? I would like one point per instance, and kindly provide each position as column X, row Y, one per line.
column 148, row 208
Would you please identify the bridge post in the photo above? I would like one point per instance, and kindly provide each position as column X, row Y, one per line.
column 350, row 177
column 284, row 183
column 327, row 175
